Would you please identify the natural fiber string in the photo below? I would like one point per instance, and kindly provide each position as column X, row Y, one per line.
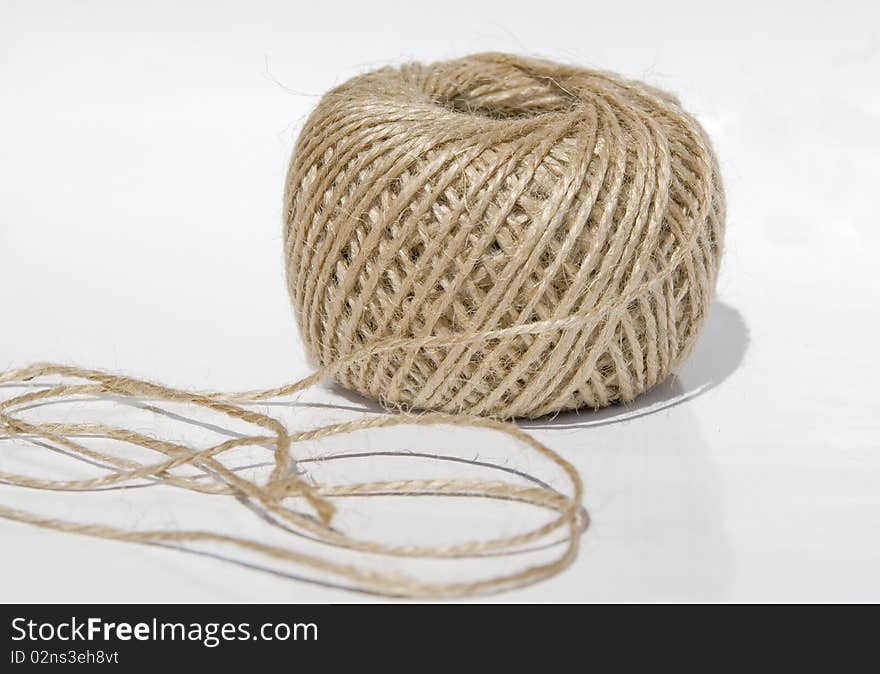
column 282, row 483
column 477, row 206
column 487, row 238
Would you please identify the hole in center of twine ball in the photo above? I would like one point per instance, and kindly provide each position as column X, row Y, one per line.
column 511, row 94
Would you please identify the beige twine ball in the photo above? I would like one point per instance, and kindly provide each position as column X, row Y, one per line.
column 528, row 237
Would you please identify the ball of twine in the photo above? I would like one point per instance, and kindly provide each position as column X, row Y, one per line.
column 493, row 236
column 501, row 236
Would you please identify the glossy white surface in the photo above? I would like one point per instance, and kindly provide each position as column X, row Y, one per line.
column 143, row 152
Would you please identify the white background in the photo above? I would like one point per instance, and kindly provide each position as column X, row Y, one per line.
column 142, row 154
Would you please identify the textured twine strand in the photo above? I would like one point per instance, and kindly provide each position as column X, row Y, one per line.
column 485, row 238
column 282, row 482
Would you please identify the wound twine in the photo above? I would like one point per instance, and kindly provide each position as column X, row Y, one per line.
column 485, row 238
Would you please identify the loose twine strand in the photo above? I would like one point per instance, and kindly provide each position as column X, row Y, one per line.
column 283, row 482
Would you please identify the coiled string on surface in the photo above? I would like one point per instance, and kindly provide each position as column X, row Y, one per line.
column 487, row 238
column 283, row 483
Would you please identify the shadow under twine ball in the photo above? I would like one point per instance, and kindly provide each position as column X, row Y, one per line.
column 557, row 230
